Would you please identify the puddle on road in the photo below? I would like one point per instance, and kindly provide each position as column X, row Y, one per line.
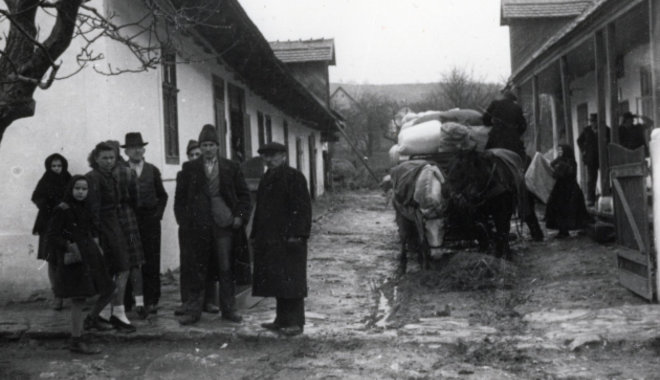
column 384, row 307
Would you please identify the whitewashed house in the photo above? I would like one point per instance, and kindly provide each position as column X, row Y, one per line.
column 237, row 84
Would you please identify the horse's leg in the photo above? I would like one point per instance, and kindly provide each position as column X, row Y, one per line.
column 404, row 228
column 501, row 211
column 423, row 251
column 482, row 233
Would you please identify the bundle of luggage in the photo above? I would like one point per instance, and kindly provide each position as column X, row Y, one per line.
column 440, row 132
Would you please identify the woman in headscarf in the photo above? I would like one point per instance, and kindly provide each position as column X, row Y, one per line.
column 104, row 201
column 47, row 195
column 565, row 209
column 80, row 270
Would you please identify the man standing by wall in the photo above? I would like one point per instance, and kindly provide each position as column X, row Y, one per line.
column 151, row 201
column 588, row 143
column 213, row 202
column 280, row 229
column 193, row 151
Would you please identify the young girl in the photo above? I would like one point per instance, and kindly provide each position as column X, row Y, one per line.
column 80, row 269
column 104, row 203
column 565, row 209
column 47, row 195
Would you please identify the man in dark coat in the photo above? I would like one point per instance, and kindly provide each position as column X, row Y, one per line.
column 508, row 123
column 212, row 202
column 631, row 135
column 193, row 151
column 280, row 229
column 150, row 206
column 588, row 143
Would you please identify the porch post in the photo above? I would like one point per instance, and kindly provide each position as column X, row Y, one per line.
column 610, row 45
column 600, row 55
column 654, row 25
column 566, row 98
column 535, row 111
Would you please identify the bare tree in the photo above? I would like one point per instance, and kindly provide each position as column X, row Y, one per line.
column 460, row 88
column 368, row 120
column 29, row 60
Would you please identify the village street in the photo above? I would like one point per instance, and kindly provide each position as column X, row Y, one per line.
column 555, row 312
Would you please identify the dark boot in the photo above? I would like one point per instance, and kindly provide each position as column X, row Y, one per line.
column 77, row 346
column 227, row 293
column 94, row 322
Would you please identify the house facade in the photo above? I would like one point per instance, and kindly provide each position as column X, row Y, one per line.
column 575, row 58
column 227, row 76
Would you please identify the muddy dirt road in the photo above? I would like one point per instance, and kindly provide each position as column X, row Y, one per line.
column 555, row 312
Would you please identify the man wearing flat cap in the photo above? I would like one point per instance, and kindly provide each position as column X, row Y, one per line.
column 212, row 202
column 280, row 229
column 150, row 205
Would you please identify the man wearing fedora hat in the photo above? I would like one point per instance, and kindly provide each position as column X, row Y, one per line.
column 212, row 203
column 588, row 143
column 280, row 229
column 193, row 151
column 150, row 206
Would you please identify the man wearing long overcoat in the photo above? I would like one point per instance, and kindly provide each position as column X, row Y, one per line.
column 212, row 203
column 280, row 229
column 588, row 143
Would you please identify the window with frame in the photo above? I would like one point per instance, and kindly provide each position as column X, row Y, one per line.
column 170, row 111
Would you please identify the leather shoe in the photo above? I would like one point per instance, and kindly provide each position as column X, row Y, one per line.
column 211, row 308
column 270, row 326
column 153, row 308
column 121, row 326
column 291, row 330
column 142, row 312
column 96, row 323
column 232, row 317
column 78, row 347
column 188, row 320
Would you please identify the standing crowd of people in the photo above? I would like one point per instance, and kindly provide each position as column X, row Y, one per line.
column 100, row 234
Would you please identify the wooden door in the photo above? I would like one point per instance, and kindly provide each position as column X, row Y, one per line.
column 312, row 166
column 628, row 173
column 219, row 108
column 237, row 124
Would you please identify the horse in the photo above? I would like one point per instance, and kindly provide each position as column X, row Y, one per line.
column 484, row 189
column 417, row 200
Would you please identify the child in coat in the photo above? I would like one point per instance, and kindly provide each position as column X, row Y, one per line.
column 81, row 271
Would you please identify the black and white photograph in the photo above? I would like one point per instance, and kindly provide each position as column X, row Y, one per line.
column 329, row 189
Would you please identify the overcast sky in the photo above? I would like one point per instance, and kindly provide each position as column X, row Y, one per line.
column 394, row 41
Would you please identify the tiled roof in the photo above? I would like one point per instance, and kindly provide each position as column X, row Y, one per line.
column 559, row 36
column 512, row 9
column 305, row 51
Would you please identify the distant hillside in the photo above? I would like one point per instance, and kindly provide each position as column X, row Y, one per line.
column 402, row 93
